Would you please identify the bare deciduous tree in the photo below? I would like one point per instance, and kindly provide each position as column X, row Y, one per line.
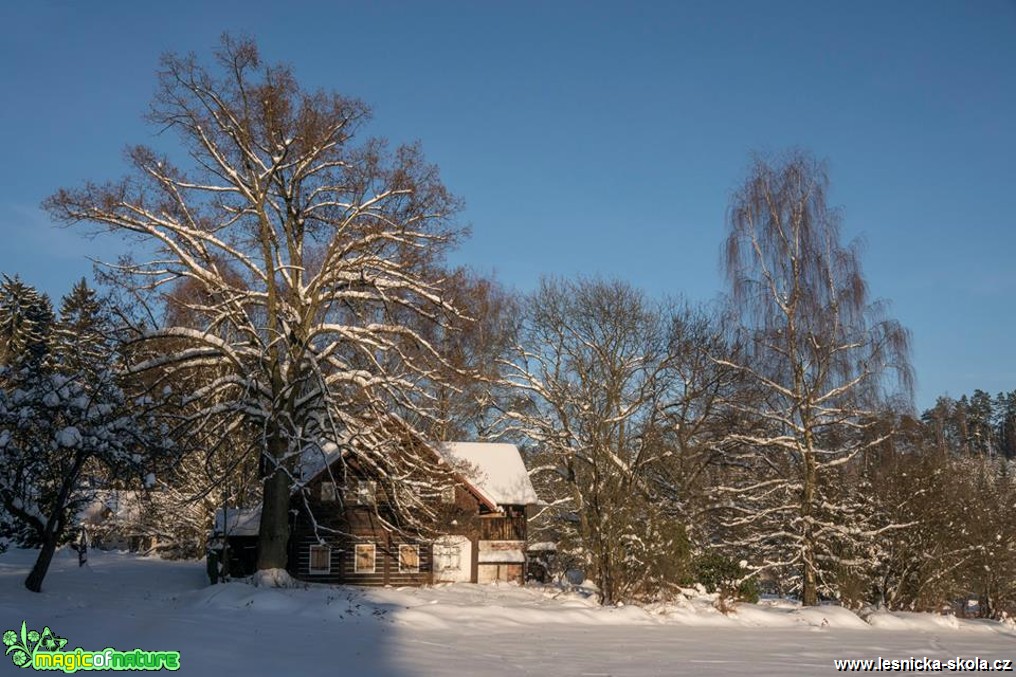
column 586, row 378
column 307, row 250
column 823, row 355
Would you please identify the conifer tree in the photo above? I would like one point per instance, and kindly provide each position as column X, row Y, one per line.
column 26, row 320
column 82, row 334
column 62, row 409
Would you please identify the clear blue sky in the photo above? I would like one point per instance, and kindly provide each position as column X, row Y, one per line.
column 594, row 137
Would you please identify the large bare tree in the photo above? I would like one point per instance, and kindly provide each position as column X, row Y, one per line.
column 824, row 358
column 308, row 249
column 586, row 380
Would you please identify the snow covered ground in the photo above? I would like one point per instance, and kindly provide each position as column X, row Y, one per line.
column 128, row 602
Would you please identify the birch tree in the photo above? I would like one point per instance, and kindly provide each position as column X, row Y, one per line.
column 824, row 357
column 307, row 246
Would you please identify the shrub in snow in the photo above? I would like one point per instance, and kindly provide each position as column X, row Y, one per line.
column 725, row 576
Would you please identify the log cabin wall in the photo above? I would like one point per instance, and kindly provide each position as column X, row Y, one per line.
column 342, row 527
column 387, row 565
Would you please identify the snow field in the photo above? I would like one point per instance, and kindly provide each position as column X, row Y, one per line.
column 128, row 602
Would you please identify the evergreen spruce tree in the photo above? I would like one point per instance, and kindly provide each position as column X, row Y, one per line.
column 1005, row 413
column 26, row 321
column 62, row 411
column 83, row 332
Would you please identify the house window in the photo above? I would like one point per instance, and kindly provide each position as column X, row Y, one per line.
column 320, row 559
column 366, row 492
column 447, row 557
column 409, row 559
column 328, row 492
column 448, row 494
column 365, row 558
column 361, row 492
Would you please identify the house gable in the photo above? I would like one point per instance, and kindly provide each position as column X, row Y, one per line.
column 494, row 471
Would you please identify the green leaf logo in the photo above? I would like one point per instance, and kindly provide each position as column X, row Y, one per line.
column 21, row 648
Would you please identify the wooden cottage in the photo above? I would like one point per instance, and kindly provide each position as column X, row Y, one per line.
column 338, row 532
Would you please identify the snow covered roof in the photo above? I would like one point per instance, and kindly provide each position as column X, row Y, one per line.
column 114, row 505
column 495, row 470
column 238, row 521
column 512, row 556
column 316, row 458
column 543, row 546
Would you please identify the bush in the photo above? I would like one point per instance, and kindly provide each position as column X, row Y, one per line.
column 721, row 574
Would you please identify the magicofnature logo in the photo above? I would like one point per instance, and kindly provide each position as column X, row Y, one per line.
column 45, row 651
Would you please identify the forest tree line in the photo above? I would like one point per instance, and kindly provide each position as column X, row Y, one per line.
column 289, row 287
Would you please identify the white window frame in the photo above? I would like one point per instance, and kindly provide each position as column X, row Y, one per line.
column 448, row 495
column 356, row 558
column 310, row 560
column 329, row 493
column 366, row 492
column 446, row 555
column 409, row 570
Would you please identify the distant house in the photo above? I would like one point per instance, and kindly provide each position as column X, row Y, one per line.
column 478, row 533
column 114, row 520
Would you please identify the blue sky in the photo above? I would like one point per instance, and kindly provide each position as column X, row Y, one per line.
column 597, row 138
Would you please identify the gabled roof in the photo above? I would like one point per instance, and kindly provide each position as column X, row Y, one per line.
column 314, row 459
column 237, row 522
column 495, row 470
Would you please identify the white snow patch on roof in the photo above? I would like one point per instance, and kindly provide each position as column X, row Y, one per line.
column 317, row 457
column 512, row 556
column 542, row 546
column 113, row 505
column 238, row 521
column 495, row 470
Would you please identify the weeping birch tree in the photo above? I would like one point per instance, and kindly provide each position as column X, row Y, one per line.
column 307, row 246
column 824, row 358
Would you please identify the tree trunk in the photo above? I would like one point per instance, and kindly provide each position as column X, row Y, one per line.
column 273, row 536
column 54, row 525
column 608, row 595
column 42, row 562
column 809, row 592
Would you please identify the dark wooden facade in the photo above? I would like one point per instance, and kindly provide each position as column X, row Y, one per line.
column 346, row 520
